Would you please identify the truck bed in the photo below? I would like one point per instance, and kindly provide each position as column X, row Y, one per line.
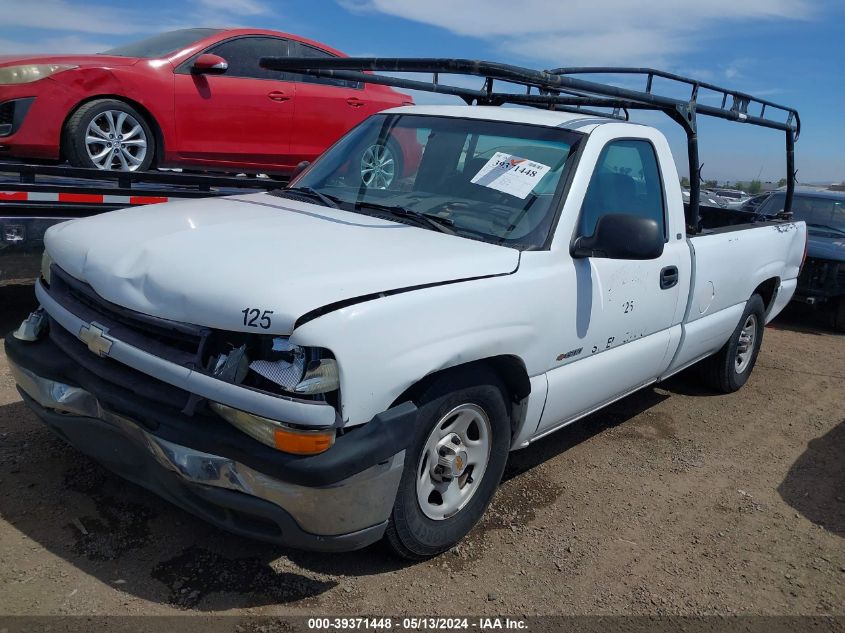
column 719, row 218
column 768, row 253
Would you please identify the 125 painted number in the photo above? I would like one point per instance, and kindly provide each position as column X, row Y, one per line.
column 253, row 317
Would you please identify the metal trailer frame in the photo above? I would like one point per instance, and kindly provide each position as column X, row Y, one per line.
column 562, row 89
column 34, row 197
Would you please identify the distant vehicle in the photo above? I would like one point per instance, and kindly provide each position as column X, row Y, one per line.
column 754, row 202
column 187, row 98
column 734, row 198
column 822, row 279
column 731, row 194
column 708, row 198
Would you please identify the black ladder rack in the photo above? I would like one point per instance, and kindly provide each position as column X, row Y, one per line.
column 561, row 89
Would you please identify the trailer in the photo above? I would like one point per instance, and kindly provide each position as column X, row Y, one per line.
column 35, row 197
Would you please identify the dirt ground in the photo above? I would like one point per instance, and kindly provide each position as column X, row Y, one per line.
column 672, row 501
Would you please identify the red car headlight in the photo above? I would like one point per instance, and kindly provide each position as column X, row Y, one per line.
column 27, row 73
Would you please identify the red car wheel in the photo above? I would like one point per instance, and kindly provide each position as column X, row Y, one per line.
column 110, row 135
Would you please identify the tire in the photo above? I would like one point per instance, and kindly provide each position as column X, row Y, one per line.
column 132, row 145
column 378, row 166
column 419, row 529
column 839, row 315
column 729, row 368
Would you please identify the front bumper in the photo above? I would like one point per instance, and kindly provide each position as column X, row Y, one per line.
column 41, row 108
column 336, row 501
column 275, row 407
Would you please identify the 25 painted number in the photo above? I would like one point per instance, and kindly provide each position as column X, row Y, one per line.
column 628, row 306
column 253, row 317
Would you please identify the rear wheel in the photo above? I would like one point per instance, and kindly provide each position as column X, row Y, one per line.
column 453, row 466
column 729, row 368
column 110, row 135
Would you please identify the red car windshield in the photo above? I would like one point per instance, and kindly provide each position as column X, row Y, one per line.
column 161, row 45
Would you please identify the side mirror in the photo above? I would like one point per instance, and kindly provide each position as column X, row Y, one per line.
column 208, row 64
column 622, row 236
column 300, row 167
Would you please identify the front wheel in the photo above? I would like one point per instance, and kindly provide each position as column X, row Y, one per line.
column 110, row 135
column 729, row 368
column 453, row 466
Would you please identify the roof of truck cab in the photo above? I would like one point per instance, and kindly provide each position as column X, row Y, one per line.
column 532, row 116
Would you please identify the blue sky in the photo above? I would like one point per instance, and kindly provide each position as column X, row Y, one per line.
column 788, row 51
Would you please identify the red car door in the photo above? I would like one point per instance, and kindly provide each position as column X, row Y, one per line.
column 325, row 108
column 242, row 117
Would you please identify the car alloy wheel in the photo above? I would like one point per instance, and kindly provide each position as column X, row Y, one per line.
column 378, row 167
column 116, row 141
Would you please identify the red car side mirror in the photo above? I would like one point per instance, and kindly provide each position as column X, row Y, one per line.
column 208, row 64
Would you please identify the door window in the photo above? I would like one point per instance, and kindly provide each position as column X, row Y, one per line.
column 243, row 54
column 626, row 180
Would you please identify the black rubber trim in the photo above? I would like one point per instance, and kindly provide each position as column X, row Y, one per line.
column 228, row 509
column 355, row 451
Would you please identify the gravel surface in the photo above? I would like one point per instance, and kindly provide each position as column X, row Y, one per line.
column 672, row 501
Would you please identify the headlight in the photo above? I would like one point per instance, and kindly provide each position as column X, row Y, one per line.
column 320, row 377
column 275, row 363
column 276, row 434
column 46, row 262
column 30, row 72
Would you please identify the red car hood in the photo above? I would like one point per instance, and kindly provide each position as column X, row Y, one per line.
column 76, row 60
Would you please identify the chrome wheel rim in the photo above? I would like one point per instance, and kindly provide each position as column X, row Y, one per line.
column 116, row 141
column 453, row 461
column 745, row 346
column 378, row 167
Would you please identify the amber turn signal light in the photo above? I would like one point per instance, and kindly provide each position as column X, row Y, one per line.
column 275, row 434
column 303, row 442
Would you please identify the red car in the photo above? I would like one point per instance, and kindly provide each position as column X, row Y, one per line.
column 187, row 98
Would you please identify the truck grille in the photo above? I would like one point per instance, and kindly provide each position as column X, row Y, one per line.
column 822, row 276
column 177, row 342
column 180, row 343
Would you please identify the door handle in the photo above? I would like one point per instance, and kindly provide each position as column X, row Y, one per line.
column 278, row 95
column 668, row 277
column 355, row 102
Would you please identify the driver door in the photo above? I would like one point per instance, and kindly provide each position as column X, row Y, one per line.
column 624, row 310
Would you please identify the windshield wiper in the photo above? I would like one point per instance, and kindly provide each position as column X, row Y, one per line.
column 826, row 227
column 329, row 201
column 442, row 225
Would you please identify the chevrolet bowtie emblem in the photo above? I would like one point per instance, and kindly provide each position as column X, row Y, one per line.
column 94, row 337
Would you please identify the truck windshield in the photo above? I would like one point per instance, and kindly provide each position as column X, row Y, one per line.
column 823, row 214
column 161, row 45
column 494, row 181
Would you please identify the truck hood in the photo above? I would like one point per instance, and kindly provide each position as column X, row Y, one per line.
column 823, row 245
column 206, row 261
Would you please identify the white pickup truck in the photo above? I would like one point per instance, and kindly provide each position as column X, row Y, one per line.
column 353, row 357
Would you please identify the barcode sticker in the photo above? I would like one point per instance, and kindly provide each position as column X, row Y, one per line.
column 510, row 174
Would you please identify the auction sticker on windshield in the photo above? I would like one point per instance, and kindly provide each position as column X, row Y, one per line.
column 510, row 174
